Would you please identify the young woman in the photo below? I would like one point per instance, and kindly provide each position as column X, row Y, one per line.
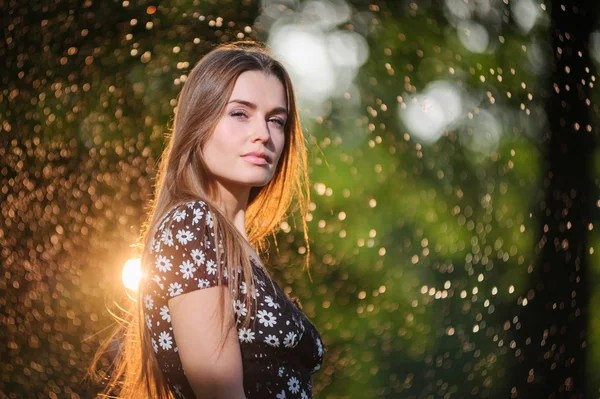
column 210, row 322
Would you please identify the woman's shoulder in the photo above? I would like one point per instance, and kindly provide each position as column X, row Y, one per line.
column 181, row 226
column 183, row 252
column 192, row 213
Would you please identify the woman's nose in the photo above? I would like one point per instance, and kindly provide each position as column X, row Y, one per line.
column 261, row 130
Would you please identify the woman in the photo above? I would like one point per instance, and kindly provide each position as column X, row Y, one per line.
column 210, row 322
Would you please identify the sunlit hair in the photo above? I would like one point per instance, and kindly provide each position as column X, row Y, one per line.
column 183, row 177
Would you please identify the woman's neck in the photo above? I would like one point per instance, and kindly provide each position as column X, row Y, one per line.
column 232, row 201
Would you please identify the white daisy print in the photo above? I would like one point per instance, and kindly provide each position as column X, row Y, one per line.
column 198, row 256
column 271, row 303
column 175, row 289
column 246, row 335
column 320, row 347
column 156, row 278
column 203, row 283
column 303, row 395
column 148, row 322
column 272, row 340
column 294, row 385
column 179, row 215
column 239, row 308
column 163, row 263
column 164, row 312
column 198, row 213
column 266, row 318
column 281, row 395
column 243, row 288
column 211, row 267
column 209, row 220
column 165, row 340
column 187, row 269
column 148, row 301
column 184, row 236
column 167, row 237
column 178, row 392
column 154, row 345
column 290, row 340
column 163, row 223
column 155, row 245
column 259, row 282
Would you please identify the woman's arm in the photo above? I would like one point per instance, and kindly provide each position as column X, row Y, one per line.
column 213, row 371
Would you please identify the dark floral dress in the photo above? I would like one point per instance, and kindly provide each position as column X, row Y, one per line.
column 281, row 348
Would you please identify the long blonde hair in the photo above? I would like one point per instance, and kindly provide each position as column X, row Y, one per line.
column 183, row 177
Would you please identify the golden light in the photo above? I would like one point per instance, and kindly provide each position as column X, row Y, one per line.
column 132, row 272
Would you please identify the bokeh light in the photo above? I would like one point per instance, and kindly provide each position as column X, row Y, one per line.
column 132, row 273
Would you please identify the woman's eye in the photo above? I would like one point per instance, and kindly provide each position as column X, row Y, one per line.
column 242, row 115
column 238, row 114
column 278, row 121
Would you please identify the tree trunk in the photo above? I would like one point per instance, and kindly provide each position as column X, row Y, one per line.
column 552, row 340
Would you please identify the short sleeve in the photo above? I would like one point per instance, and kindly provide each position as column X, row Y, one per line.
column 183, row 253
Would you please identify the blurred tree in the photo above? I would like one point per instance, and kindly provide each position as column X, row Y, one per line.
column 553, row 337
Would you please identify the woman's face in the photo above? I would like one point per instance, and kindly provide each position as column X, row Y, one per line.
column 254, row 120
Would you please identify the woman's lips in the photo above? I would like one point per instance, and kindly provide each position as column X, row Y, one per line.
column 255, row 160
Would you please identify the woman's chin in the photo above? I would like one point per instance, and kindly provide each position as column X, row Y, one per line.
column 258, row 178
column 259, row 183
column 249, row 178
column 251, row 182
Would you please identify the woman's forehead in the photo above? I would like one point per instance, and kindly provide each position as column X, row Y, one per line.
column 259, row 88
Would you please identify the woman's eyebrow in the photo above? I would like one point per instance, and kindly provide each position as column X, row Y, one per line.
column 276, row 110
